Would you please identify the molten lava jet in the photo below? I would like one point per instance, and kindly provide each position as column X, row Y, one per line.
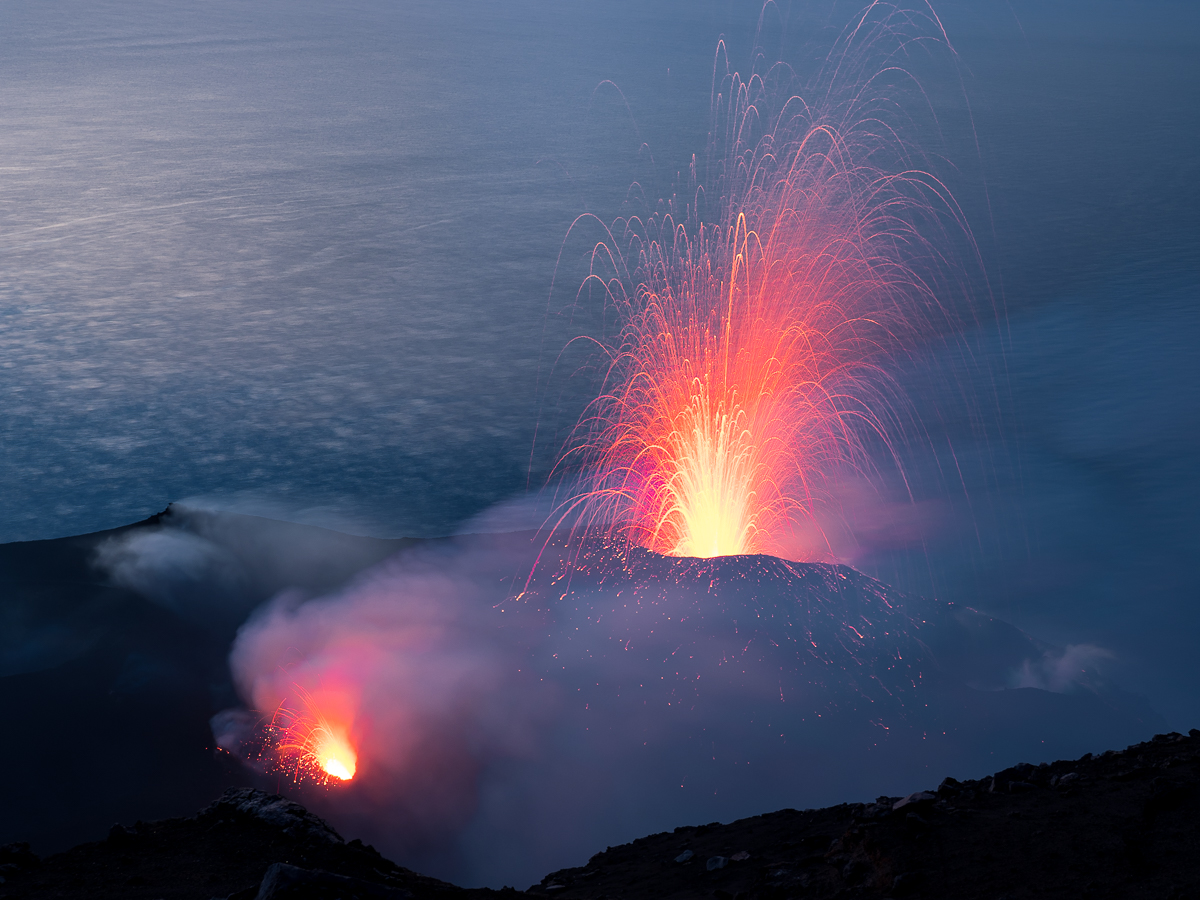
column 311, row 744
column 755, row 322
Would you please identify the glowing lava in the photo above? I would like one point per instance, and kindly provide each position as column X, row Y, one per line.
column 750, row 359
column 333, row 753
column 310, row 744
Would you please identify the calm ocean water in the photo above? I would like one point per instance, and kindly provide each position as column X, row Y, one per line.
column 299, row 258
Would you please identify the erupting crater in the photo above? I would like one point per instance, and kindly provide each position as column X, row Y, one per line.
column 310, row 743
column 756, row 315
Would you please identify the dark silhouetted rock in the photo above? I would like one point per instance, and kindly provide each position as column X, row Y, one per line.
column 913, row 799
column 288, row 816
column 248, row 845
column 284, row 882
column 1098, row 837
column 1098, row 834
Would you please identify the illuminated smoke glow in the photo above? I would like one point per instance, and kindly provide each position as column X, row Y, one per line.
column 394, row 693
column 314, row 741
column 628, row 692
column 757, row 314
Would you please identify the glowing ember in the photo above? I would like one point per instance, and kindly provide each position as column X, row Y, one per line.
column 310, row 744
column 749, row 361
column 337, row 769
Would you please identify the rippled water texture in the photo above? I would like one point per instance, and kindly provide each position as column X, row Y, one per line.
column 302, row 256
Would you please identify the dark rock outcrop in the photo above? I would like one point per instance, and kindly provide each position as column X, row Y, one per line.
column 248, row 844
column 288, row 816
column 1124, row 824
column 284, row 882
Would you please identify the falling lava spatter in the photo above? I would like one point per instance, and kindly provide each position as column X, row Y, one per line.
column 311, row 744
column 750, row 361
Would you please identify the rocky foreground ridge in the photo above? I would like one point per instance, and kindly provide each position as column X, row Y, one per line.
column 1125, row 824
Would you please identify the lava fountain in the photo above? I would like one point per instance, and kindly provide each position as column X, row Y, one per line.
column 311, row 744
column 749, row 363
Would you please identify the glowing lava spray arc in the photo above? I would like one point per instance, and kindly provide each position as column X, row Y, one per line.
column 749, row 363
column 310, row 744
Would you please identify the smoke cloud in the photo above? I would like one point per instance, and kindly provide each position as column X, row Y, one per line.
column 503, row 733
column 1061, row 670
column 409, row 662
column 184, row 572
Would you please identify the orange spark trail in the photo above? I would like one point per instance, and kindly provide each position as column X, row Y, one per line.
column 313, row 743
column 750, row 363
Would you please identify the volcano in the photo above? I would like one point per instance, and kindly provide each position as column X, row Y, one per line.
column 714, row 689
column 620, row 693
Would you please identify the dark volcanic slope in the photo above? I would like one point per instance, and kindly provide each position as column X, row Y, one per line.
column 225, row 851
column 1122, row 825
column 110, row 689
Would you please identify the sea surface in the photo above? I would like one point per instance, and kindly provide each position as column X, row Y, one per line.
column 297, row 258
